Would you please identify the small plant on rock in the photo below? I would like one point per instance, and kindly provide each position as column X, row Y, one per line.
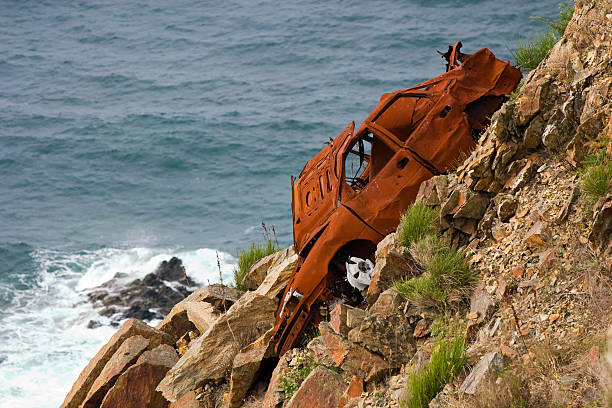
column 529, row 54
column 447, row 358
column 596, row 177
column 416, row 223
column 248, row 257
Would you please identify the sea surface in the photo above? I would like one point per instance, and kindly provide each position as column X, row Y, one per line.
column 134, row 131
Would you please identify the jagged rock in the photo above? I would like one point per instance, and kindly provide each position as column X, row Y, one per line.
column 210, row 357
column 245, row 367
column 321, row 389
column 189, row 400
column 354, row 390
column 337, row 319
column 177, row 323
column 331, row 349
column 274, row 395
column 514, row 184
column 533, row 133
column 123, row 358
column 482, row 306
column 278, row 274
column 389, row 336
column 505, row 207
column 354, row 317
column 601, row 231
column 258, row 272
column 201, row 314
column 130, row 328
column 433, row 191
column 387, row 304
column 489, row 363
column 421, row 329
column 135, row 388
column 173, row 271
column 538, row 236
column 390, row 266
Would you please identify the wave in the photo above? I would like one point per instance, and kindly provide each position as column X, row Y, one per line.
column 44, row 337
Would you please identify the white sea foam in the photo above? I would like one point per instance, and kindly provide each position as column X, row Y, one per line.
column 44, row 339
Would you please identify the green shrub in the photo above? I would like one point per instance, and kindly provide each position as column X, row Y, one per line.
column 446, row 279
column 596, row 177
column 447, row 358
column 417, row 222
column 248, row 257
column 529, row 54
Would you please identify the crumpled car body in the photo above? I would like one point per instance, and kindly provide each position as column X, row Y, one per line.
column 353, row 192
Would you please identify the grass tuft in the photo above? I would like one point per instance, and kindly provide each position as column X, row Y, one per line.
column 416, row 223
column 248, row 257
column 596, row 177
column 529, row 54
column 447, row 358
column 446, row 280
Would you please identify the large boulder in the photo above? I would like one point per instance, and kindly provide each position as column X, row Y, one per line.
column 245, row 368
column 123, row 358
column 136, row 387
column 278, row 273
column 278, row 260
column 202, row 314
column 131, row 327
column 210, row 357
column 322, row 388
column 177, row 323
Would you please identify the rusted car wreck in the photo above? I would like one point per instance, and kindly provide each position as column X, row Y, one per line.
column 353, row 192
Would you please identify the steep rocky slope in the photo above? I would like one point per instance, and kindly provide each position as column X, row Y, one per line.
column 535, row 327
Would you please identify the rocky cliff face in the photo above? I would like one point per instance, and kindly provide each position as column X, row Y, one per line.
column 535, row 328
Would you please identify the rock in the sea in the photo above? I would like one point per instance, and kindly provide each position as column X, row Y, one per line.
column 130, row 328
column 135, row 388
column 210, row 357
column 321, row 389
column 144, row 299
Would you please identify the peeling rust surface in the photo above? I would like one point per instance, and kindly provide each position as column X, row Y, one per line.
column 353, row 192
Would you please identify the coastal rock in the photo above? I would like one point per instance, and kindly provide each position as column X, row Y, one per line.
column 145, row 299
column 278, row 273
column 136, row 387
column 354, row 390
column 123, row 358
column 261, row 268
column 130, row 328
column 201, row 314
column 321, row 389
column 177, row 323
column 210, row 357
column 538, row 236
column 245, row 367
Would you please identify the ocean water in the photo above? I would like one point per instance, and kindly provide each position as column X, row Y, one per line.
column 133, row 131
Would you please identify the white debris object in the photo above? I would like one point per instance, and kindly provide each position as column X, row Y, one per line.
column 359, row 272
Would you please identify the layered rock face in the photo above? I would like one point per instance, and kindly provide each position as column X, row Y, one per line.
column 515, row 207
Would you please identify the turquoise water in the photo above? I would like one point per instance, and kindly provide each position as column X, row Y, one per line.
column 133, row 131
